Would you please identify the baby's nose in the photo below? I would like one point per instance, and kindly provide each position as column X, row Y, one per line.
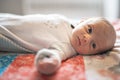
column 86, row 39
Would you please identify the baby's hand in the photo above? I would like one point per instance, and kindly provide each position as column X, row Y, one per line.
column 47, row 61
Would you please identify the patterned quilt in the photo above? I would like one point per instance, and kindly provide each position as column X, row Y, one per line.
column 98, row 67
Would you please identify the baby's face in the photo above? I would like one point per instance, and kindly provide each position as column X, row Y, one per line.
column 91, row 37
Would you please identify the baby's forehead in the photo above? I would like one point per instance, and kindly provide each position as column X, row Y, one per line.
column 102, row 25
column 103, row 42
column 105, row 39
column 103, row 30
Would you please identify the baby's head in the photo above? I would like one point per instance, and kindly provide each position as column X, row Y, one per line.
column 92, row 36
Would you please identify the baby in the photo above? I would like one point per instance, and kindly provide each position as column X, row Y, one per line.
column 54, row 38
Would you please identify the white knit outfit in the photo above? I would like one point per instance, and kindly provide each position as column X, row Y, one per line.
column 32, row 33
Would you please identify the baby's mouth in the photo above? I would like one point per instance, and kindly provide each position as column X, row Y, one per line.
column 79, row 43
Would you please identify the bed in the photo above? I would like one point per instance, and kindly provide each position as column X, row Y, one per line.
column 14, row 66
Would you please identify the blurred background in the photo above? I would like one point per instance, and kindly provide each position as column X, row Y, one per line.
column 75, row 9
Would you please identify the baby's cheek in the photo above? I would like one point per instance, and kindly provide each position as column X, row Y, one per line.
column 73, row 43
column 83, row 50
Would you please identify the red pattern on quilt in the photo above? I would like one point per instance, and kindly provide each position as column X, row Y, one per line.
column 22, row 68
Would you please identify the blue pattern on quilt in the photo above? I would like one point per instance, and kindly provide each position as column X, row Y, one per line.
column 5, row 60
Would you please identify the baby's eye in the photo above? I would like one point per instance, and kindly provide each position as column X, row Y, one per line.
column 89, row 29
column 93, row 45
